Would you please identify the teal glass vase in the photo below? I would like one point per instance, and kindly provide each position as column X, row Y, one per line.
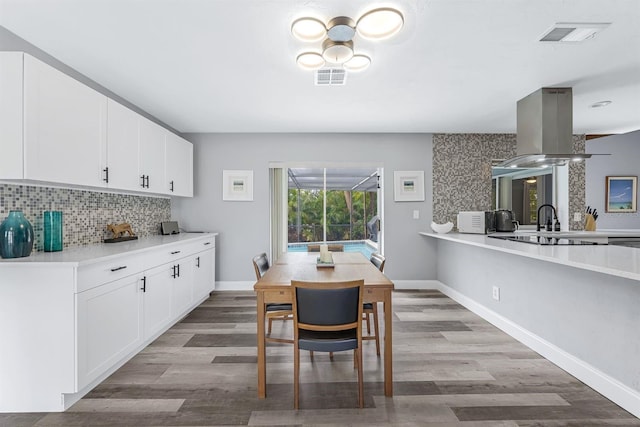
column 16, row 236
column 52, row 224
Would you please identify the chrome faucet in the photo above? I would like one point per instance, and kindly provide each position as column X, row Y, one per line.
column 555, row 216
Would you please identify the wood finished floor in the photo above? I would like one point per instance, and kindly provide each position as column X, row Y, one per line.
column 451, row 368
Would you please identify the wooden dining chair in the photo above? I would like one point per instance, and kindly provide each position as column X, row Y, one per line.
column 326, row 318
column 371, row 308
column 274, row 311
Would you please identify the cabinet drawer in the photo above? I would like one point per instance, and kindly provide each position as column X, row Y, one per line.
column 100, row 273
column 180, row 250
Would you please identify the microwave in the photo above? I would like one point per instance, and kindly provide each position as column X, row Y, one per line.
column 476, row 222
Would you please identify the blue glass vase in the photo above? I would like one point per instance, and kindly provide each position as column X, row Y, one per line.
column 16, row 236
column 52, row 224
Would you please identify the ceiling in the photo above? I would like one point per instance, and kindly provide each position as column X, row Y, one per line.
column 358, row 179
column 456, row 66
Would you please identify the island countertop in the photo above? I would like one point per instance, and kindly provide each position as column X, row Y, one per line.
column 608, row 259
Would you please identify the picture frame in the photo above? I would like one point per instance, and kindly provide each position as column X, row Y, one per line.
column 237, row 185
column 621, row 194
column 408, row 186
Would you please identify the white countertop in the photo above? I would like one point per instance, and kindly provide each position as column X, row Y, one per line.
column 82, row 255
column 608, row 259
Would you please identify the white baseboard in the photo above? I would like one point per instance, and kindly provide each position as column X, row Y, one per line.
column 229, row 285
column 626, row 397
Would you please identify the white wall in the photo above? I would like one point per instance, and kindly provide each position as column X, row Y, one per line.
column 244, row 226
column 624, row 160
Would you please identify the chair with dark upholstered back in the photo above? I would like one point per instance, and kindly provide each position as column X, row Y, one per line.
column 327, row 318
column 372, row 307
column 273, row 310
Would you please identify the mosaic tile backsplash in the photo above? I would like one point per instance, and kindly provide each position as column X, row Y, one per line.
column 85, row 213
column 462, row 173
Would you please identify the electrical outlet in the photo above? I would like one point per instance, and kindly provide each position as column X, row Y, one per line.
column 416, row 214
column 496, row 293
column 577, row 216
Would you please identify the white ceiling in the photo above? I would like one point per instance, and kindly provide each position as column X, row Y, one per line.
column 229, row 65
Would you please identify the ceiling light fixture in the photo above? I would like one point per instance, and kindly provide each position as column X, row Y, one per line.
column 338, row 34
column 600, row 104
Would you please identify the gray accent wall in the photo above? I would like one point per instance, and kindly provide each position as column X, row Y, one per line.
column 462, row 173
column 623, row 160
column 244, row 226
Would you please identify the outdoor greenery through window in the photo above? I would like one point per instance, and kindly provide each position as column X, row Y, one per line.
column 351, row 203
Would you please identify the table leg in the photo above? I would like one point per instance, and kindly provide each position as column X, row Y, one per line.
column 388, row 353
column 262, row 357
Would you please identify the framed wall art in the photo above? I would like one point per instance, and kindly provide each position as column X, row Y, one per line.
column 621, row 194
column 237, row 185
column 408, row 186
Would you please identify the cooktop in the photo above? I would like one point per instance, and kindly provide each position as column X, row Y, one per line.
column 547, row 241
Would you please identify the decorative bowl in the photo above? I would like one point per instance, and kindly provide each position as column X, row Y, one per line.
column 442, row 228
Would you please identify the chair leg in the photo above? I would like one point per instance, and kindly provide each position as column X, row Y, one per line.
column 296, row 376
column 311, row 355
column 269, row 327
column 331, row 355
column 366, row 316
column 376, row 328
column 358, row 353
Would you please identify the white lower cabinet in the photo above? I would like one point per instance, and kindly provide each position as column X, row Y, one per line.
column 91, row 316
column 109, row 326
column 157, row 292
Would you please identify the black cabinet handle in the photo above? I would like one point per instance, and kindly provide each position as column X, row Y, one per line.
column 119, row 268
column 175, row 252
column 207, row 243
column 106, row 174
column 178, row 270
column 144, row 284
column 174, row 272
column 171, row 186
column 198, row 262
column 142, row 178
column 147, row 181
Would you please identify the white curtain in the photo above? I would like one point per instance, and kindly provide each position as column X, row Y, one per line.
column 278, row 185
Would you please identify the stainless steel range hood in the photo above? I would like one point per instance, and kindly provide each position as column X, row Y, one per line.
column 545, row 130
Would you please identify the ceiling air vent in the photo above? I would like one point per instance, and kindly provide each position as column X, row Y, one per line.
column 331, row 77
column 572, row 32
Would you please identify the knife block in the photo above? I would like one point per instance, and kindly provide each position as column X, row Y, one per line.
column 589, row 223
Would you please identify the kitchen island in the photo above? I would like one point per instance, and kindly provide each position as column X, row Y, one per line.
column 69, row 319
column 578, row 306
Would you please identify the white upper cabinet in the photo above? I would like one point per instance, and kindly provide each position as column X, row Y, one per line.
column 55, row 129
column 121, row 168
column 64, row 127
column 11, row 165
column 179, row 166
column 151, row 156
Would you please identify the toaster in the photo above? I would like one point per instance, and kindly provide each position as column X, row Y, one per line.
column 476, row 222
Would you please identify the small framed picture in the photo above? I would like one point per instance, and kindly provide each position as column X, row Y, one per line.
column 621, row 194
column 408, row 186
column 237, row 185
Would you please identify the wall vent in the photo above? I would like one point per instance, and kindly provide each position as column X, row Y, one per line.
column 572, row 32
column 331, row 77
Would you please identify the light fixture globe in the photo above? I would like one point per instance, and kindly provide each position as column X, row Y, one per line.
column 380, row 23
column 308, row 29
column 337, row 52
column 357, row 63
column 310, row 61
column 341, row 29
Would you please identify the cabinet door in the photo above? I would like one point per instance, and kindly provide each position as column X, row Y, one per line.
column 122, row 147
column 11, row 164
column 182, row 285
column 157, row 295
column 204, row 274
column 179, row 166
column 151, row 156
column 109, row 326
column 64, row 127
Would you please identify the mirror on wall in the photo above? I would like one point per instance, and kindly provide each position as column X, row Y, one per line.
column 522, row 191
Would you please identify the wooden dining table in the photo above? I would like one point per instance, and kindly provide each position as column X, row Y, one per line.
column 275, row 287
